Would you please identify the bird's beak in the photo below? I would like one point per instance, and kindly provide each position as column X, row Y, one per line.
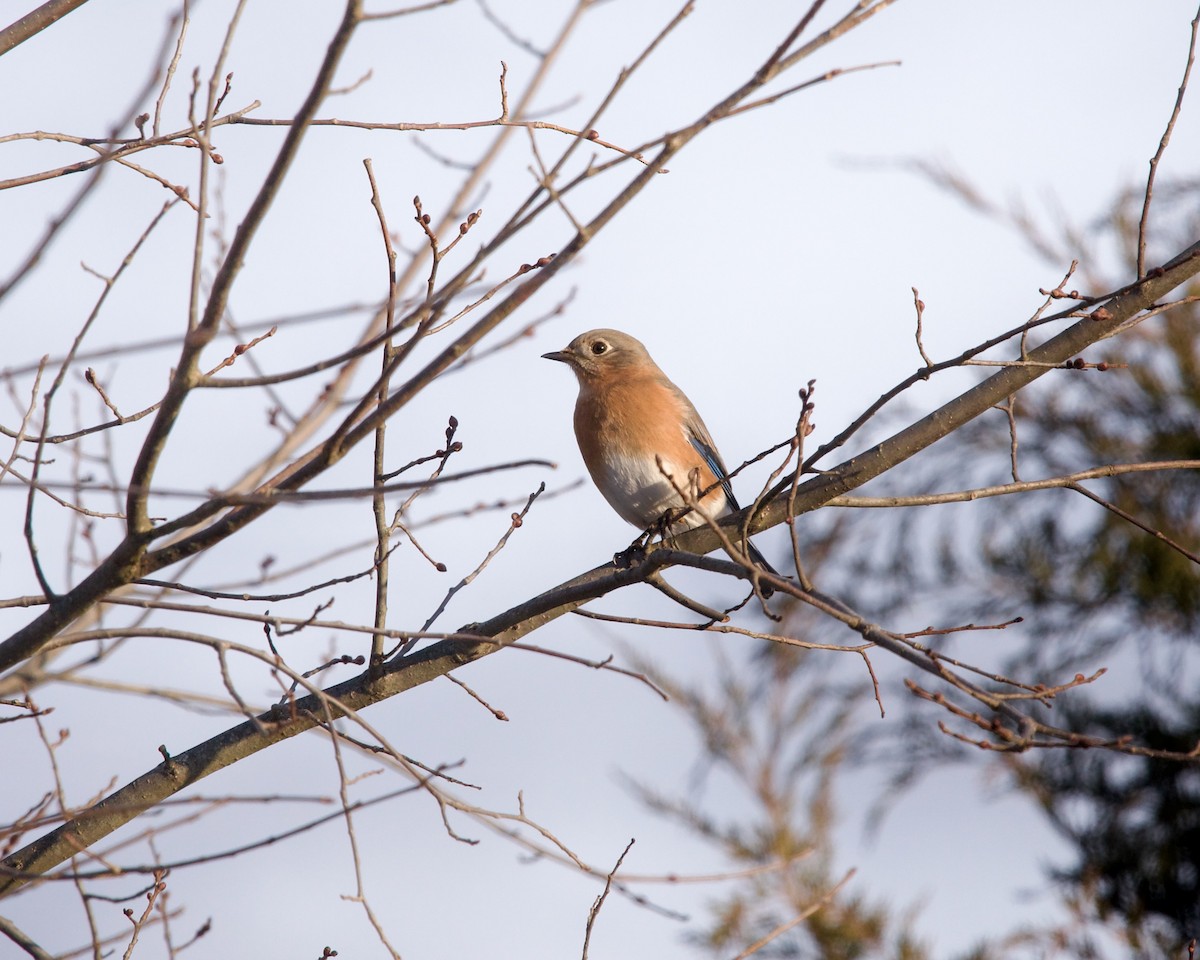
column 563, row 355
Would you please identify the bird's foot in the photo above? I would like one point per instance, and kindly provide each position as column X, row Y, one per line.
column 632, row 555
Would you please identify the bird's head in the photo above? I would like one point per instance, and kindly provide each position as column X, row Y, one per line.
column 598, row 354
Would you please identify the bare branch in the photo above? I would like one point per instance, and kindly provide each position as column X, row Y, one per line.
column 1162, row 147
column 34, row 23
column 599, row 902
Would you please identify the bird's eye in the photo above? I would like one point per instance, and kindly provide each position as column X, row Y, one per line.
column 599, row 347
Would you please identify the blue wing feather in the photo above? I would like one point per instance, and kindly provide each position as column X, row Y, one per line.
column 715, row 465
column 705, row 448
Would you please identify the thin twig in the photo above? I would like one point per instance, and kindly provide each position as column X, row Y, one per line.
column 1162, row 147
column 1004, row 489
column 919, row 304
column 796, row 920
column 1129, row 517
column 599, row 902
column 517, row 520
column 378, row 477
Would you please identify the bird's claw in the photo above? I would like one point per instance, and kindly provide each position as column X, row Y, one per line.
column 631, row 556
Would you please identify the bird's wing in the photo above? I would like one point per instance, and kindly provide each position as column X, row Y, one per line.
column 699, row 437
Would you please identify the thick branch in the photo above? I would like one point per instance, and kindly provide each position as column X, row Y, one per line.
column 34, row 23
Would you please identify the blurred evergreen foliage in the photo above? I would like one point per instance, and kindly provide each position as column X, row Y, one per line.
column 1095, row 588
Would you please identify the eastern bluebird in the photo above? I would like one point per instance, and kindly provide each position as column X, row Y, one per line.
column 628, row 417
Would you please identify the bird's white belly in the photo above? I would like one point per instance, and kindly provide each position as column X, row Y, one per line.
column 637, row 489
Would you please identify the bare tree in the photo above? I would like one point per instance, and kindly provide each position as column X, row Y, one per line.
column 113, row 548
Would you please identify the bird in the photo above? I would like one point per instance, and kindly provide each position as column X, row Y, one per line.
column 629, row 418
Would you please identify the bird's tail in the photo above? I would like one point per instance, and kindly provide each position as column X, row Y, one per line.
column 761, row 561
